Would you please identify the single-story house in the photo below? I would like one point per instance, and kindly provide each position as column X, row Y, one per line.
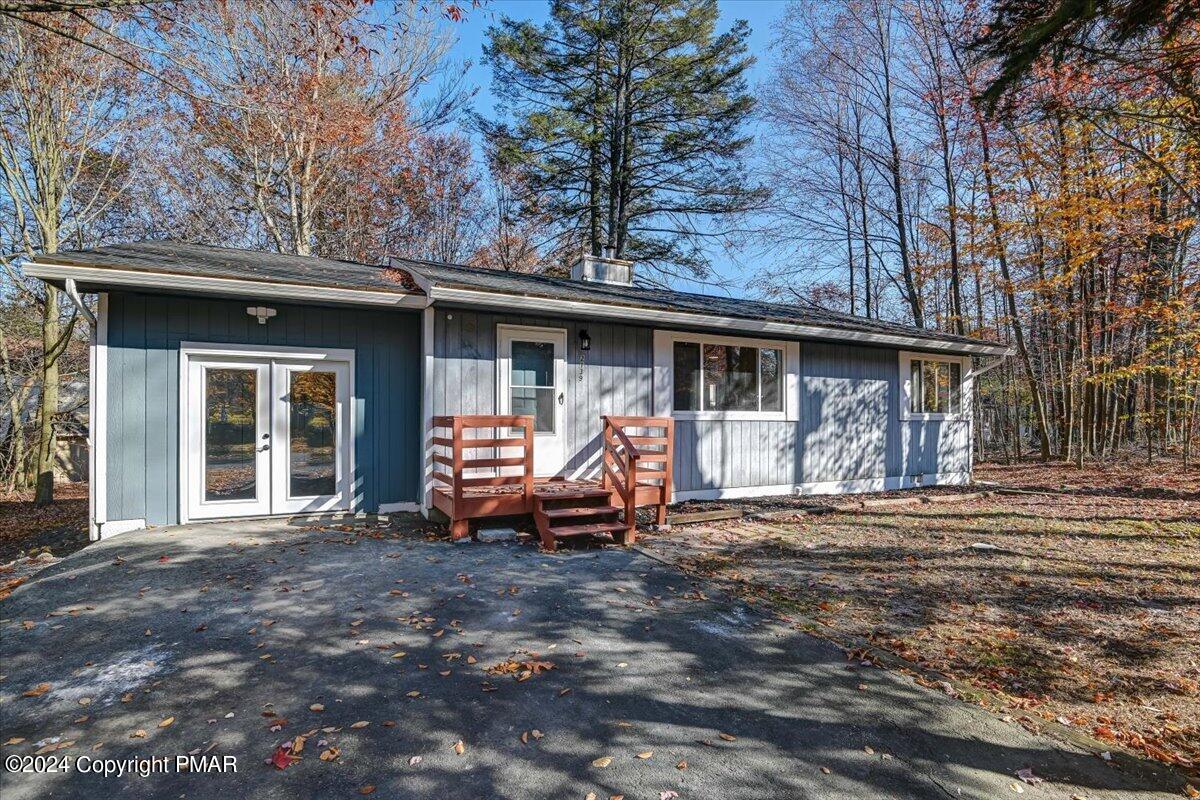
column 231, row 383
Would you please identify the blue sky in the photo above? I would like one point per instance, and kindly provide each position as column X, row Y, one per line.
column 472, row 33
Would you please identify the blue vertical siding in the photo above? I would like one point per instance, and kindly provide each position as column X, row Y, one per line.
column 144, row 334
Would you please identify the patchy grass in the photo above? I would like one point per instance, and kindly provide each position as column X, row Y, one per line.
column 1087, row 612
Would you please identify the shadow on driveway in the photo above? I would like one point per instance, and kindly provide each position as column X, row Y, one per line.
column 216, row 625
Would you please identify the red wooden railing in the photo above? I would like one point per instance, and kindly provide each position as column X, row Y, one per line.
column 639, row 466
column 453, row 458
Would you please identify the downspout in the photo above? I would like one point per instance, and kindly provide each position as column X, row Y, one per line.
column 975, row 373
column 73, row 293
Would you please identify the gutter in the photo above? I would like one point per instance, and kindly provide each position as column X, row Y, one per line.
column 53, row 271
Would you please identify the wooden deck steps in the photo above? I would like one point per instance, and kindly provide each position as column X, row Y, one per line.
column 580, row 511
column 570, row 511
column 471, row 482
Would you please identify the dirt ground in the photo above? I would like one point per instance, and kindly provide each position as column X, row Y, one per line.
column 1080, row 608
column 61, row 526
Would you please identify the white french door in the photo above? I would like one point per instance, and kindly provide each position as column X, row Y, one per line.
column 532, row 373
column 265, row 435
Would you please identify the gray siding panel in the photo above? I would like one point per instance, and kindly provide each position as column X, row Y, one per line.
column 849, row 425
column 143, row 404
column 849, row 411
column 616, row 377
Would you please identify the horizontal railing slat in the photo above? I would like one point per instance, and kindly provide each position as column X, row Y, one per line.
column 514, row 461
column 477, row 443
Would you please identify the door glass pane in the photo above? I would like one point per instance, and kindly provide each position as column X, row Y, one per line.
column 730, row 378
column 532, row 364
column 687, row 376
column 230, row 424
column 312, row 445
column 538, row 402
column 772, row 380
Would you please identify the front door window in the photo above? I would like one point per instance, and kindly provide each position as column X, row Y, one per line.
column 532, row 384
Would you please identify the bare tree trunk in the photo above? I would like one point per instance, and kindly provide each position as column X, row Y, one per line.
column 1010, row 292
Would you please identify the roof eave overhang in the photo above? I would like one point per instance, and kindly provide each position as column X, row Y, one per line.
column 693, row 320
column 53, row 271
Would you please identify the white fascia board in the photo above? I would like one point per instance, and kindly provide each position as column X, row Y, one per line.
column 47, row 270
column 698, row 320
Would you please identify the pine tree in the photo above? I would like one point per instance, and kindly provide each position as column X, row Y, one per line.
column 627, row 124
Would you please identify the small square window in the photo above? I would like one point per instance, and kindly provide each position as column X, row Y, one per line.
column 935, row 386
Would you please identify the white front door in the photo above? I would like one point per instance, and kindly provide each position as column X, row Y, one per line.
column 532, row 367
column 265, row 435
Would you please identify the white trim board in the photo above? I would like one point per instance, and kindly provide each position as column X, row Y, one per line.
column 114, row 527
column 545, row 306
column 426, row 450
column 166, row 281
column 98, row 422
column 857, row 486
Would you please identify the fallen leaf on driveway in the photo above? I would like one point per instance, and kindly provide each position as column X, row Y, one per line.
column 681, row 765
column 668, row 795
column 330, row 754
column 37, row 691
column 602, row 762
column 316, row 707
column 15, row 740
column 645, row 755
column 825, row 770
column 362, row 723
column 166, row 723
column 459, row 747
column 138, row 734
column 366, row 789
column 729, row 737
column 412, row 762
column 282, row 759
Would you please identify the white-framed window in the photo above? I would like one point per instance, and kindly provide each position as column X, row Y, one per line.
column 720, row 377
column 934, row 386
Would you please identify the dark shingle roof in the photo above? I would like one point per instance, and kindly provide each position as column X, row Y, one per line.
column 196, row 260
column 661, row 300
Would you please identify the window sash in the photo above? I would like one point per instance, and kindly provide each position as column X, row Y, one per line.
column 691, row 385
column 935, row 386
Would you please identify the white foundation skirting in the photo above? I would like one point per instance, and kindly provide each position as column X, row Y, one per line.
column 117, row 526
column 830, row 487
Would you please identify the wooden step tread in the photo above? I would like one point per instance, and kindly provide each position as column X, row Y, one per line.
column 570, row 494
column 587, row 529
column 579, row 511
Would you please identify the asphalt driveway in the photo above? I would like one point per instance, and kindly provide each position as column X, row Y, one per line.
column 201, row 639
